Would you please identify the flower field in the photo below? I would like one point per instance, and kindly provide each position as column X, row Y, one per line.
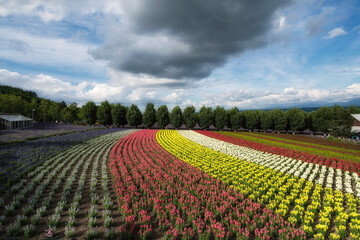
column 181, row 184
column 69, row 194
column 19, row 158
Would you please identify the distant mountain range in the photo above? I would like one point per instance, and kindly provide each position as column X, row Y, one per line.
column 309, row 107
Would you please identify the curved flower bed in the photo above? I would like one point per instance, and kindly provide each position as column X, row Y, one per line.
column 301, row 202
column 311, row 158
column 186, row 202
column 315, row 173
column 291, row 142
column 330, row 152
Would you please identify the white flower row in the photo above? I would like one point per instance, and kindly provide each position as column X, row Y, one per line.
column 309, row 171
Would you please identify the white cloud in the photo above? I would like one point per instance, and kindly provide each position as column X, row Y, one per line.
column 59, row 90
column 141, row 80
column 22, row 47
column 57, row 10
column 335, row 33
column 282, row 22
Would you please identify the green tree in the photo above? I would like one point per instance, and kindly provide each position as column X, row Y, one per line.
column 266, row 121
column 238, row 121
column 353, row 110
column 206, row 117
column 221, row 118
column 149, row 116
column 296, row 119
column 162, row 116
column 279, row 119
column 342, row 122
column 321, row 119
column 11, row 104
column 190, row 117
column 231, row 117
column 104, row 113
column 54, row 111
column 252, row 119
column 118, row 115
column 89, row 111
column 176, row 117
column 66, row 115
column 43, row 109
column 134, row 116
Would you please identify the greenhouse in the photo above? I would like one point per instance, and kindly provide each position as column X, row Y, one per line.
column 11, row 121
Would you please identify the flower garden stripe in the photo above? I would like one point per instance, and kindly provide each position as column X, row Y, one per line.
column 292, row 197
column 301, row 143
column 312, row 158
column 351, row 156
column 48, row 189
column 308, row 171
column 186, row 202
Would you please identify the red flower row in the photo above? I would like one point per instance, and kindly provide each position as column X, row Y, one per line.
column 150, row 183
column 306, row 157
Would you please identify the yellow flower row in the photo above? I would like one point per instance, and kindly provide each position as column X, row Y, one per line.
column 277, row 190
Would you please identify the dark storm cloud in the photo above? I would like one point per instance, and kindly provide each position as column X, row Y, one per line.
column 194, row 36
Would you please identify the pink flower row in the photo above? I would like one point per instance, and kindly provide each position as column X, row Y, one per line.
column 183, row 201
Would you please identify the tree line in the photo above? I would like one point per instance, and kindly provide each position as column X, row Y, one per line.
column 336, row 119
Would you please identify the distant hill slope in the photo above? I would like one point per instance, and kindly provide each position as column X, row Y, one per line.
column 26, row 95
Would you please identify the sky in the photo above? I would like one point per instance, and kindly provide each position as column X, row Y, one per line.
column 249, row 54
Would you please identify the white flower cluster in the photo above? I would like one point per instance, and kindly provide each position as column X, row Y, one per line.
column 356, row 180
column 314, row 173
column 330, row 178
column 338, row 182
column 309, row 171
column 347, row 183
column 322, row 174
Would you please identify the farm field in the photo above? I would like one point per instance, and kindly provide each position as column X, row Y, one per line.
column 18, row 158
column 182, row 184
column 40, row 130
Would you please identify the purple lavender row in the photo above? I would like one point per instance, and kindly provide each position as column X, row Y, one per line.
column 17, row 158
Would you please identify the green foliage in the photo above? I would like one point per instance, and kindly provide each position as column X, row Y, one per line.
column 176, row 118
column 296, row 119
column 252, row 119
column 190, row 117
column 266, row 120
column 231, row 117
column 238, row 121
column 89, row 111
column 221, row 117
column 279, row 118
column 162, row 116
column 134, row 116
column 14, row 104
column 70, row 113
column 149, row 116
column 206, row 117
column 25, row 95
column 118, row 115
column 341, row 122
column 104, row 113
column 321, row 119
column 353, row 110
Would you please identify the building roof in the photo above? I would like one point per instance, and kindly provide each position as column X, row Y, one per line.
column 356, row 116
column 14, row 117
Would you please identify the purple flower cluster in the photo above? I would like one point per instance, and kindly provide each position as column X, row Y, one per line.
column 17, row 158
column 41, row 130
